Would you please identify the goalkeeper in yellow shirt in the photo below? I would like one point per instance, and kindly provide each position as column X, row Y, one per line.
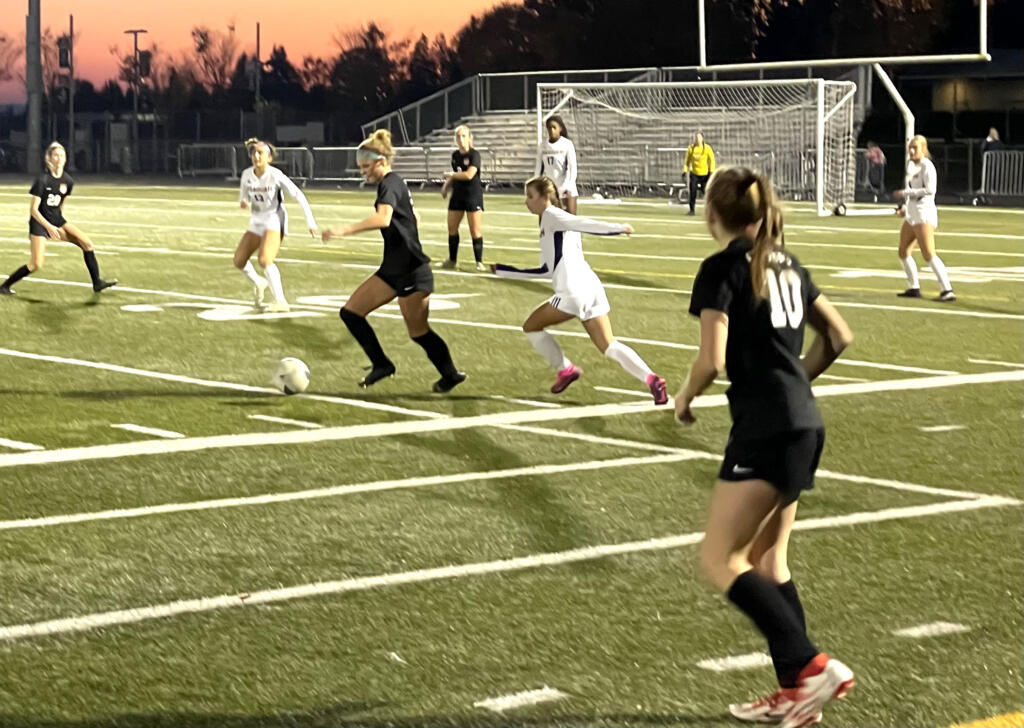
column 700, row 163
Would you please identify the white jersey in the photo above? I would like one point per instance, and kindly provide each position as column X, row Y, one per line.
column 922, row 182
column 557, row 161
column 265, row 195
column 561, row 253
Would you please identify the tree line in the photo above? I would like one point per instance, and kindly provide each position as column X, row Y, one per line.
column 373, row 72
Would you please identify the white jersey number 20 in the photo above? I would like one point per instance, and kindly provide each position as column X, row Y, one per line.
column 786, row 301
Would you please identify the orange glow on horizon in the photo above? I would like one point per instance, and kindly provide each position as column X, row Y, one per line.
column 302, row 27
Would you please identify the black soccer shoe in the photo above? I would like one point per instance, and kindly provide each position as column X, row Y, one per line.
column 447, row 384
column 376, row 374
column 103, row 284
column 5, row 291
column 910, row 293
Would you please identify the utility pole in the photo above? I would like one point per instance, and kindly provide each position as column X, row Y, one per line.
column 135, row 98
column 66, row 59
column 259, row 72
column 34, row 87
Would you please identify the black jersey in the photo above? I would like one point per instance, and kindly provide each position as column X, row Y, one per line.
column 52, row 191
column 402, row 249
column 769, row 392
column 470, row 188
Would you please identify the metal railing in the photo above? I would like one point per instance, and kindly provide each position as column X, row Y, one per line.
column 515, row 91
column 1002, row 173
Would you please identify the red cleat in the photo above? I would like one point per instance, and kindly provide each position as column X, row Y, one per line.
column 566, row 377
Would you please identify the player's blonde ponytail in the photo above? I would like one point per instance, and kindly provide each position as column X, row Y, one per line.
column 740, row 198
column 379, row 142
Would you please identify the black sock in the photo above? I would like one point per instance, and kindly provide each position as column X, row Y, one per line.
column 92, row 265
column 16, row 276
column 453, row 247
column 364, row 334
column 478, row 249
column 438, row 353
column 788, row 592
column 788, row 644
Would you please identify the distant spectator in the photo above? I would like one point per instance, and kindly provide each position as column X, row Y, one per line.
column 992, row 142
column 876, row 168
column 699, row 164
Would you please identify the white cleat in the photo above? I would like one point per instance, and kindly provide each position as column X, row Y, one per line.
column 258, row 291
column 769, row 709
column 278, row 307
column 823, row 680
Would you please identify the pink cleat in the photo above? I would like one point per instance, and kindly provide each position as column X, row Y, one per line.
column 822, row 680
column 657, row 386
column 566, row 377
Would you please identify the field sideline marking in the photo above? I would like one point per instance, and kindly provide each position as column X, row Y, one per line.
column 177, row 378
column 341, row 490
column 382, row 429
column 420, row 576
column 521, row 699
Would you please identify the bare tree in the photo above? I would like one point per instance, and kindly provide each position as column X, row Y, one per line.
column 10, row 50
column 215, row 56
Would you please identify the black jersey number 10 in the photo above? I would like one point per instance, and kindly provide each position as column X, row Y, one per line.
column 786, row 302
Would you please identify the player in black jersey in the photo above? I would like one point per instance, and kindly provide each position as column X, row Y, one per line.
column 404, row 272
column 467, row 198
column 46, row 221
column 753, row 299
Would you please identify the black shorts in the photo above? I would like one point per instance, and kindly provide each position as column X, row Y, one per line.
column 787, row 460
column 467, row 203
column 34, row 228
column 407, row 283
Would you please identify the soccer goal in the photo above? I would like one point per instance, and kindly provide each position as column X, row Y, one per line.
column 219, row 159
column 631, row 138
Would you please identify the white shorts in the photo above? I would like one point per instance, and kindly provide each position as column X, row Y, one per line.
column 276, row 220
column 568, row 191
column 583, row 305
column 926, row 213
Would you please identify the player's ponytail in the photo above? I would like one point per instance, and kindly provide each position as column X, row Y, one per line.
column 544, row 187
column 740, row 198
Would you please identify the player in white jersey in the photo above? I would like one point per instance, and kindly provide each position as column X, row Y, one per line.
column 556, row 160
column 578, row 291
column 262, row 192
column 920, row 218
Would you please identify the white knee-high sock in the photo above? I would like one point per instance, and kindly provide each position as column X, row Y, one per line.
column 910, row 268
column 628, row 360
column 939, row 269
column 548, row 348
column 274, row 279
column 249, row 272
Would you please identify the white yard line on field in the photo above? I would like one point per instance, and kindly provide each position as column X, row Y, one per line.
column 287, row 421
column 421, row 576
column 19, row 445
column 932, row 629
column 521, row 699
column 1011, row 364
column 350, row 489
column 154, row 431
column 384, row 429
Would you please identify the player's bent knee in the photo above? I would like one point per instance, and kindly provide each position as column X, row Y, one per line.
column 348, row 316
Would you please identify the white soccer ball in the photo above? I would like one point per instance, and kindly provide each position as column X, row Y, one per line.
column 291, row 375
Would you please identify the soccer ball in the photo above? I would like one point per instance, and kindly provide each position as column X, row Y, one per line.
column 291, row 376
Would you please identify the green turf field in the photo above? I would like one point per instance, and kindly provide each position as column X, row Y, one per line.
column 393, row 557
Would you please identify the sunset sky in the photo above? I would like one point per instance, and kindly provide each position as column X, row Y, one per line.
column 303, row 27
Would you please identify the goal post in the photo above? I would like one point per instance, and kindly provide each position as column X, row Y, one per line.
column 631, row 138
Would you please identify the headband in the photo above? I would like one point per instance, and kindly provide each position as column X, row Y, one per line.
column 367, row 155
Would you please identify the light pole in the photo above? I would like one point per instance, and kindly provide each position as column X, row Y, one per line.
column 135, row 97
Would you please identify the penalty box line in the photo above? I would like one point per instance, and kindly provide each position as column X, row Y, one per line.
column 419, row 576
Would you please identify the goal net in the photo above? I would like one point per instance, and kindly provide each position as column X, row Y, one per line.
column 631, row 138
